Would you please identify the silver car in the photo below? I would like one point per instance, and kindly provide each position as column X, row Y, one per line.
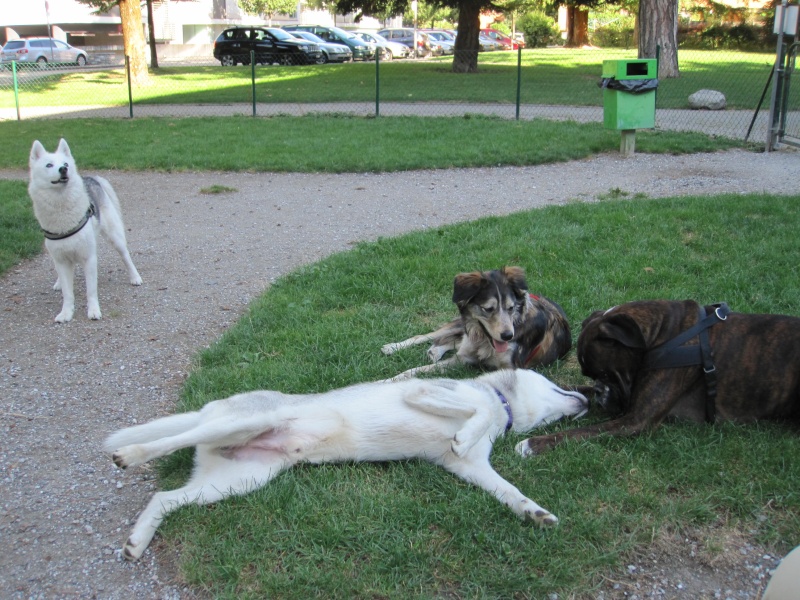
column 42, row 51
column 389, row 50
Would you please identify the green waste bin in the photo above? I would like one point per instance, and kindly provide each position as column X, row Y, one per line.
column 629, row 95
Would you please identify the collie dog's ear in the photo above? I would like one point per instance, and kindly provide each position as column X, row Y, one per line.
column 516, row 278
column 466, row 286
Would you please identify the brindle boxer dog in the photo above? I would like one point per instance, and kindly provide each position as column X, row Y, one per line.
column 661, row 359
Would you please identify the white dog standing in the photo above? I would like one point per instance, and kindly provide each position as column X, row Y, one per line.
column 246, row 440
column 64, row 204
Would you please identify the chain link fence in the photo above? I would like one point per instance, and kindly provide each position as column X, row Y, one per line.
column 552, row 83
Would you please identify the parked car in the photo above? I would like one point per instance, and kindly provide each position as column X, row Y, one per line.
column 360, row 49
column 269, row 44
column 42, row 51
column 389, row 50
column 405, row 36
column 499, row 36
column 442, row 39
column 330, row 52
column 487, row 44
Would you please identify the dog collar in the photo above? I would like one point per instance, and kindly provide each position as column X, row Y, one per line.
column 507, row 406
column 61, row 236
column 93, row 189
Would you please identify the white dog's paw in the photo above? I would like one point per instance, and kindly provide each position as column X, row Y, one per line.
column 389, row 349
column 57, row 285
column 94, row 313
column 65, row 316
column 129, row 456
column 460, row 445
column 541, row 517
column 131, row 550
column 136, row 279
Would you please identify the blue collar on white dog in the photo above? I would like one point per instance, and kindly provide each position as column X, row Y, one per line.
column 507, row 406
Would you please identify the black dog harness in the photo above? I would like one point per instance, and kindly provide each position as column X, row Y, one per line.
column 94, row 190
column 674, row 354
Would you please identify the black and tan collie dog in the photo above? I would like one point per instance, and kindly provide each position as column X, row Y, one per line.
column 502, row 325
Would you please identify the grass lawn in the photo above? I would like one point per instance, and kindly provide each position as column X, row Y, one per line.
column 332, row 144
column 555, row 76
column 410, row 530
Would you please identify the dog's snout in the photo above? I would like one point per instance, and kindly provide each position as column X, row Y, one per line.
column 507, row 336
column 63, row 170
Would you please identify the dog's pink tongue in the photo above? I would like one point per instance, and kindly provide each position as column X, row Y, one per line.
column 500, row 346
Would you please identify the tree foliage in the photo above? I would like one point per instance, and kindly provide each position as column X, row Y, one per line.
column 268, row 8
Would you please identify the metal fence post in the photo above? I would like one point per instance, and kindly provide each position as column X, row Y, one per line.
column 377, row 82
column 16, row 87
column 253, row 78
column 130, row 91
column 519, row 77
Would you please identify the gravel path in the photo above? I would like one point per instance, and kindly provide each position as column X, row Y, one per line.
column 64, row 508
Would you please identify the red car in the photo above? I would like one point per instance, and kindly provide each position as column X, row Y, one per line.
column 501, row 37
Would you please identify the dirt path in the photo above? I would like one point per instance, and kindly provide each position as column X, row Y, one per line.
column 64, row 508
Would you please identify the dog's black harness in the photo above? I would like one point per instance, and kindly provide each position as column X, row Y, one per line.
column 507, row 406
column 94, row 190
column 674, row 354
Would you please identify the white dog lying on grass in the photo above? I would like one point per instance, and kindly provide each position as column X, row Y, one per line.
column 244, row 441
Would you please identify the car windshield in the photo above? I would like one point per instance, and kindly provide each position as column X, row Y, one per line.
column 281, row 34
column 307, row 35
column 380, row 38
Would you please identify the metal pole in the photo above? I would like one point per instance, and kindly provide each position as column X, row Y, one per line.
column 130, row 92
column 519, row 77
column 772, row 123
column 253, row 78
column 16, row 87
column 377, row 82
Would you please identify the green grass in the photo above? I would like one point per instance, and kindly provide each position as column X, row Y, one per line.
column 20, row 236
column 410, row 530
column 548, row 76
column 329, row 143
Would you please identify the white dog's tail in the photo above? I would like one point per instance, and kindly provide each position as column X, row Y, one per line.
column 154, row 430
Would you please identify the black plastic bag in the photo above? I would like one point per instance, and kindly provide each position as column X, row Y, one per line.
column 631, row 86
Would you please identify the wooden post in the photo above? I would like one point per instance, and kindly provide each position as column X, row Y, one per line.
column 628, row 143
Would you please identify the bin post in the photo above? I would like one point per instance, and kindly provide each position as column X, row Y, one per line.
column 629, row 98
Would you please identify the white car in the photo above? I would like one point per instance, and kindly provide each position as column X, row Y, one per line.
column 42, row 51
column 443, row 40
column 389, row 50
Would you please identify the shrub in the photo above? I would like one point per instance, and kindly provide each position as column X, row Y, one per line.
column 539, row 29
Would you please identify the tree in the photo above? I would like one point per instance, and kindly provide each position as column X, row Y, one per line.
column 268, row 8
column 151, row 28
column 130, row 14
column 658, row 34
column 577, row 26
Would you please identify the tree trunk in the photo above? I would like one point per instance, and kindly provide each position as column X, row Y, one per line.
column 130, row 13
column 577, row 27
column 658, row 34
column 151, row 28
column 465, row 58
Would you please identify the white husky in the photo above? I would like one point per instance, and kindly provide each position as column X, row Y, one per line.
column 244, row 441
column 64, row 204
